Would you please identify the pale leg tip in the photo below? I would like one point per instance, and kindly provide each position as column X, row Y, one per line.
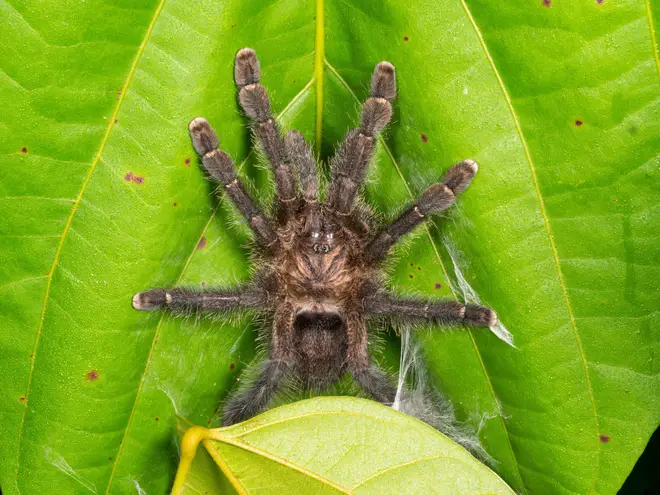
column 150, row 300
column 472, row 165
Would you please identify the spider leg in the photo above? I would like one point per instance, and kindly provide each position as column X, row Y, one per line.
column 253, row 97
column 273, row 372
column 186, row 300
column 349, row 166
column 300, row 155
column 442, row 312
column 370, row 378
column 221, row 167
column 256, row 396
column 436, row 198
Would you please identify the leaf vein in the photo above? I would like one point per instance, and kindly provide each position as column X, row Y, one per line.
column 548, row 228
column 67, row 227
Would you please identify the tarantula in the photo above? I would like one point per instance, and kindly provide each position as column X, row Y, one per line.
column 320, row 274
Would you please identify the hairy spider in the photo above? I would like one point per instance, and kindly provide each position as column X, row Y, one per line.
column 320, row 274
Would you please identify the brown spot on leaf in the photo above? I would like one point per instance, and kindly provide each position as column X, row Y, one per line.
column 187, row 161
column 405, row 38
column 175, row 204
column 425, row 138
column 599, row 2
column 156, row 418
column 232, row 366
column 21, row 399
column 129, row 177
column 411, row 276
column 202, row 243
column 203, row 284
column 93, row 375
column 419, row 268
column 24, row 149
column 546, row 3
column 116, row 121
column 578, row 123
column 604, row 438
column 438, row 285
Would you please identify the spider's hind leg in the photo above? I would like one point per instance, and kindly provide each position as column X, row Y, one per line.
column 371, row 379
column 349, row 166
column 256, row 396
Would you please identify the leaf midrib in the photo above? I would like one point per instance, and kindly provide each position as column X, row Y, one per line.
column 67, row 227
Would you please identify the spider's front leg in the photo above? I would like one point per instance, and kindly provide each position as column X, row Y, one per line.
column 253, row 97
column 436, row 198
column 349, row 166
column 273, row 372
column 371, row 379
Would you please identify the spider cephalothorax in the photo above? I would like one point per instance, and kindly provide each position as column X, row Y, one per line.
column 319, row 277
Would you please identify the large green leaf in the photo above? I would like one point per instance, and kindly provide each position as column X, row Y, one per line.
column 102, row 197
column 310, row 447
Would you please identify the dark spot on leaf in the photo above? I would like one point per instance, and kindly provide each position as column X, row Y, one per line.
column 116, row 121
column 578, row 123
column 633, row 129
column 233, row 25
column 156, row 418
column 546, row 3
column 187, row 161
column 24, row 149
column 405, row 38
column 109, row 458
column 92, row 375
column 232, row 366
column 21, row 399
column 208, row 422
column 425, row 138
column 175, row 204
column 31, row 356
column 613, row 200
column 438, row 285
column 411, row 264
column 419, row 267
column 203, row 284
column 129, row 177
column 599, row 2
column 604, row 438
column 411, row 276
column 202, row 243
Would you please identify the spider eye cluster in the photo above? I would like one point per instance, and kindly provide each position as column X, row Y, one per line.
column 322, row 242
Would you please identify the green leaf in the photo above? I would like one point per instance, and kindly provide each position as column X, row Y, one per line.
column 336, row 445
column 101, row 197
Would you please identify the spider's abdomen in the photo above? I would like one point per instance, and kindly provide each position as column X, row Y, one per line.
column 320, row 341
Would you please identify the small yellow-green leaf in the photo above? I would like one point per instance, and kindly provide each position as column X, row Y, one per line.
column 332, row 445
